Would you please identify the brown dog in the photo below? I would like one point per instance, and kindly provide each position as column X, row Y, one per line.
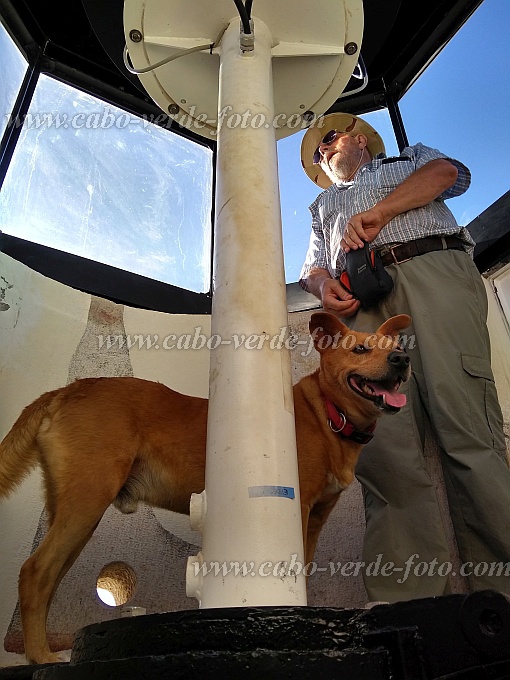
column 150, row 442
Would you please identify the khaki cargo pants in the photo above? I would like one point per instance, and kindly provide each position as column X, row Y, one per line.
column 452, row 384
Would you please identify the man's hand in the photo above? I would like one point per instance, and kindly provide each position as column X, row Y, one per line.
column 337, row 300
column 333, row 296
column 362, row 228
column 421, row 187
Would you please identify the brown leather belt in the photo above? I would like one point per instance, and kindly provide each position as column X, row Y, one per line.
column 406, row 251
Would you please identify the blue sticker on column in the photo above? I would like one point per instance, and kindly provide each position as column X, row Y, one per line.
column 280, row 491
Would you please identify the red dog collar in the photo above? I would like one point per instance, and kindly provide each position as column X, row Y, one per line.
column 341, row 426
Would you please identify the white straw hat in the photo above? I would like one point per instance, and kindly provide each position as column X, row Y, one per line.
column 344, row 122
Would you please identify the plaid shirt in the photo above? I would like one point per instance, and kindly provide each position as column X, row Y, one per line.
column 375, row 180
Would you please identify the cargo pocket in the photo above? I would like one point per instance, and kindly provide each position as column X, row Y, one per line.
column 485, row 411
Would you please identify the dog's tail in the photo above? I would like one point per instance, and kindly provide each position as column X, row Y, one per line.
column 19, row 452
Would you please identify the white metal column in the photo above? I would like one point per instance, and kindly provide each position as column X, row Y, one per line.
column 253, row 519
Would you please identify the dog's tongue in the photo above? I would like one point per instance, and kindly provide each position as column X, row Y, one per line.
column 391, row 397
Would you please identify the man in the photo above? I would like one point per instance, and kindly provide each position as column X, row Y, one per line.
column 396, row 205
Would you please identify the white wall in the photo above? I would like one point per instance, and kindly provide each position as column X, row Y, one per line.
column 499, row 324
column 49, row 337
column 41, row 323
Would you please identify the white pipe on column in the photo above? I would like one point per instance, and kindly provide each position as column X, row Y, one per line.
column 253, row 518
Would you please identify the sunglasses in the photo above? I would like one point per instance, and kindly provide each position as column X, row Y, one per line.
column 328, row 138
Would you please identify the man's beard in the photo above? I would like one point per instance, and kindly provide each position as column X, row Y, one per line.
column 343, row 166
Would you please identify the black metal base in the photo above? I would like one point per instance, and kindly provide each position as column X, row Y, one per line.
column 453, row 637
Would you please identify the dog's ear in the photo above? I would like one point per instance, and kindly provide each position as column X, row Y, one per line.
column 392, row 326
column 326, row 329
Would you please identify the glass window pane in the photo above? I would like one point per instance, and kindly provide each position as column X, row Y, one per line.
column 12, row 71
column 92, row 180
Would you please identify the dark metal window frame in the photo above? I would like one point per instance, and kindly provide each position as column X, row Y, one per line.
column 79, row 272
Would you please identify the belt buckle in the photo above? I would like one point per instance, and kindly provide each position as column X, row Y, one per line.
column 395, row 261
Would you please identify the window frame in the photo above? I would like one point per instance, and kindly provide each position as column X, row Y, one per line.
column 87, row 275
